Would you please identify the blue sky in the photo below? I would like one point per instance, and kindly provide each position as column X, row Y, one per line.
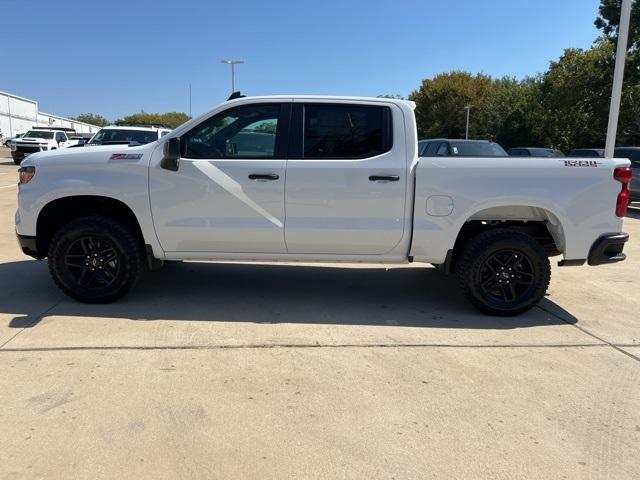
column 117, row 57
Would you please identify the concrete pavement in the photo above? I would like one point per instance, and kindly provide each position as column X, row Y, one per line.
column 268, row 371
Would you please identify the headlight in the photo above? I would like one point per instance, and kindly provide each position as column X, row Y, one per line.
column 26, row 174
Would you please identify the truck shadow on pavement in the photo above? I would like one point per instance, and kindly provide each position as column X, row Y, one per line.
column 408, row 296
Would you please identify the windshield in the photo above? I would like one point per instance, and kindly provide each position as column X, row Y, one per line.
column 38, row 134
column 477, row 149
column 110, row 135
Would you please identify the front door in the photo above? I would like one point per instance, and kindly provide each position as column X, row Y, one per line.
column 228, row 193
column 346, row 179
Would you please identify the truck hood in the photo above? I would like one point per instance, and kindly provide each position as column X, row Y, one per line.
column 29, row 140
column 91, row 155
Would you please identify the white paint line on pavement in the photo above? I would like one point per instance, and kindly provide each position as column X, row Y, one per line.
column 9, row 186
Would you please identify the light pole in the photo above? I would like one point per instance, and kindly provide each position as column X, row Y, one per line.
column 618, row 75
column 466, row 130
column 233, row 64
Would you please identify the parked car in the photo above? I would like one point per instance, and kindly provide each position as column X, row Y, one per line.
column 444, row 147
column 587, row 152
column 355, row 191
column 7, row 141
column 534, row 152
column 125, row 135
column 633, row 154
column 39, row 139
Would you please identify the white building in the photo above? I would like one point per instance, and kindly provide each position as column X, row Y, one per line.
column 18, row 114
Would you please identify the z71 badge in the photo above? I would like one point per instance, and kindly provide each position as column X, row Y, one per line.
column 126, row 156
column 580, row 163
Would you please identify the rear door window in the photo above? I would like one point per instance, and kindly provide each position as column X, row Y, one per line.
column 343, row 131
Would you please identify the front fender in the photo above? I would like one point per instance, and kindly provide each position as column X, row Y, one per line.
column 126, row 182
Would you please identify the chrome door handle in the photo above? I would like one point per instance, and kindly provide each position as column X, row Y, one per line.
column 263, row 176
column 384, row 178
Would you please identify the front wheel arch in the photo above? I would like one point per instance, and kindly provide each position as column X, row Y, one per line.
column 55, row 214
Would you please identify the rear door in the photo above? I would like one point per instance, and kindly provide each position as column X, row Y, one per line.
column 346, row 179
column 228, row 193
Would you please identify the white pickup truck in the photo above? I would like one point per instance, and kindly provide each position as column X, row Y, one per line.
column 40, row 139
column 317, row 179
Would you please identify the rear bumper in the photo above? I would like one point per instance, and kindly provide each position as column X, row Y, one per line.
column 28, row 246
column 608, row 249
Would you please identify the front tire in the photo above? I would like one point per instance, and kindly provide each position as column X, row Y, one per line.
column 95, row 259
column 503, row 272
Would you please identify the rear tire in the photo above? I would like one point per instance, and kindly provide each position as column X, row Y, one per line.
column 95, row 259
column 503, row 272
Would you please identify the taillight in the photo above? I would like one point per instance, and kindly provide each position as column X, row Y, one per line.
column 623, row 175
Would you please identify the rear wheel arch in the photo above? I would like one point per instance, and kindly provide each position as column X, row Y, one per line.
column 538, row 222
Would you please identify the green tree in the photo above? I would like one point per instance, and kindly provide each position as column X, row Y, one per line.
column 608, row 21
column 92, row 118
column 576, row 95
column 170, row 119
column 440, row 104
column 505, row 109
column 516, row 115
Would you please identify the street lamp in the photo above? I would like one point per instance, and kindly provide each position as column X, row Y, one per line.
column 233, row 63
column 618, row 74
column 466, row 131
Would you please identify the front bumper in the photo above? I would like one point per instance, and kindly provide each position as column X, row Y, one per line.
column 28, row 245
column 608, row 249
column 22, row 151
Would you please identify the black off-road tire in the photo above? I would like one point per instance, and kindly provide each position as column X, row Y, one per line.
column 17, row 162
column 503, row 272
column 102, row 249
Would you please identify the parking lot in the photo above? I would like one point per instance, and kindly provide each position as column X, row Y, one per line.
column 211, row 370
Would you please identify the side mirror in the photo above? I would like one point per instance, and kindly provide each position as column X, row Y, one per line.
column 171, row 155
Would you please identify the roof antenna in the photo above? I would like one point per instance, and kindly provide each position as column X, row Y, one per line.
column 235, row 95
